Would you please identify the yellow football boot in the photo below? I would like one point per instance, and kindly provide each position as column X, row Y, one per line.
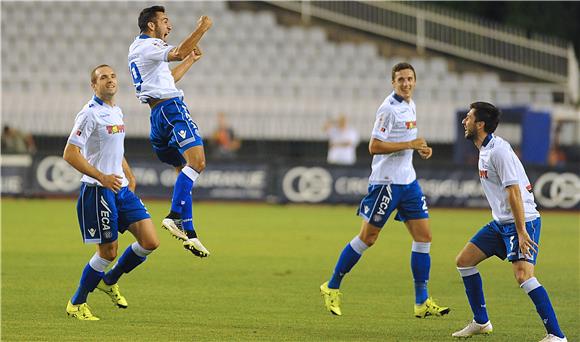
column 331, row 299
column 80, row 311
column 429, row 308
column 113, row 292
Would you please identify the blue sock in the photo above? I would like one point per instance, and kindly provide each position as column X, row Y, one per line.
column 181, row 190
column 187, row 216
column 474, row 290
column 543, row 305
column 420, row 266
column 92, row 275
column 126, row 263
column 348, row 258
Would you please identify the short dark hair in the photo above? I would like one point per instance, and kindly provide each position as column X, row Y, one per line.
column 486, row 113
column 94, row 72
column 147, row 15
column 402, row 66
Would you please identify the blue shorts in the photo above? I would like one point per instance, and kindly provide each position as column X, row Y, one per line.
column 382, row 200
column 502, row 241
column 103, row 214
column 173, row 131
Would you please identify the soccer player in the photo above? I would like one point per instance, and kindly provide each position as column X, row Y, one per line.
column 174, row 136
column 107, row 203
column 393, row 185
column 514, row 232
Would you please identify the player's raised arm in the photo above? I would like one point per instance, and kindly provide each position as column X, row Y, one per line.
column 72, row 154
column 187, row 46
column 184, row 66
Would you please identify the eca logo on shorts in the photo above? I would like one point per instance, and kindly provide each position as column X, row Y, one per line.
column 307, row 184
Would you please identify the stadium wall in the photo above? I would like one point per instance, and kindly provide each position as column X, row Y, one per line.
column 285, row 182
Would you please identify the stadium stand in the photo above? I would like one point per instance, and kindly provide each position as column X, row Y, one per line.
column 263, row 74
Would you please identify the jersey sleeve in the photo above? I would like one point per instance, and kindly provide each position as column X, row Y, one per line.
column 383, row 124
column 84, row 125
column 505, row 163
column 156, row 49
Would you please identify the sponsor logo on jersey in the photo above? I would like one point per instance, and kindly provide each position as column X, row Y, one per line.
column 92, row 231
column 529, row 188
column 483, row 174
column 182, row 134
column 114, row 129
column 79, row 132
column 411, row 124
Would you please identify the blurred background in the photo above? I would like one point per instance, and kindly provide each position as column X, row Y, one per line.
column 283, row 83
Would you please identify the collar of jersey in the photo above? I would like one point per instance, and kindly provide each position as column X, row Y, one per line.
column 143, row 36
column 398, row 97
column 99, row 101
column 487, row 140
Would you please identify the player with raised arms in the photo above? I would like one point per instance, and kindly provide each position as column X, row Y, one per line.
column 174, row 136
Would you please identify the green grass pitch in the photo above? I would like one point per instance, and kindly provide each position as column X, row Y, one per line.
column 261, row 282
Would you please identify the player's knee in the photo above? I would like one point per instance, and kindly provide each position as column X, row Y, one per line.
column 150, row 244
column 426, row 236
column 370, row 239
column 108, row 253
column 462, row 261
column 200, row 165
column 522, row 275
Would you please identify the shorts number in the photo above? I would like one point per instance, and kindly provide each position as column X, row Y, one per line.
column 424, row 203
column 137, row 81
column 512, row 242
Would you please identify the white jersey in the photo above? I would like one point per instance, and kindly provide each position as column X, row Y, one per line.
column 342, row 146
column 499, row 167
column 150, row 69
column 396, row 121
column 100, row 133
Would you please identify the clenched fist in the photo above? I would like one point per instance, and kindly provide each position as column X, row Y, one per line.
column 204, row 22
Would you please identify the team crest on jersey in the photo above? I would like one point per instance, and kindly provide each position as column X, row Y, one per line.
column 114, row 129
column 483, row 174
column 411, row 124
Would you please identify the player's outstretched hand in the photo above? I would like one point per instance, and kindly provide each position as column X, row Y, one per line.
column 426, row 152
column 527, row 245
column 112, row 182
column 419, row 144
column 204, row 22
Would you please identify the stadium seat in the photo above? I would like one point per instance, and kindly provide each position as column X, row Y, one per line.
column 250, row 62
